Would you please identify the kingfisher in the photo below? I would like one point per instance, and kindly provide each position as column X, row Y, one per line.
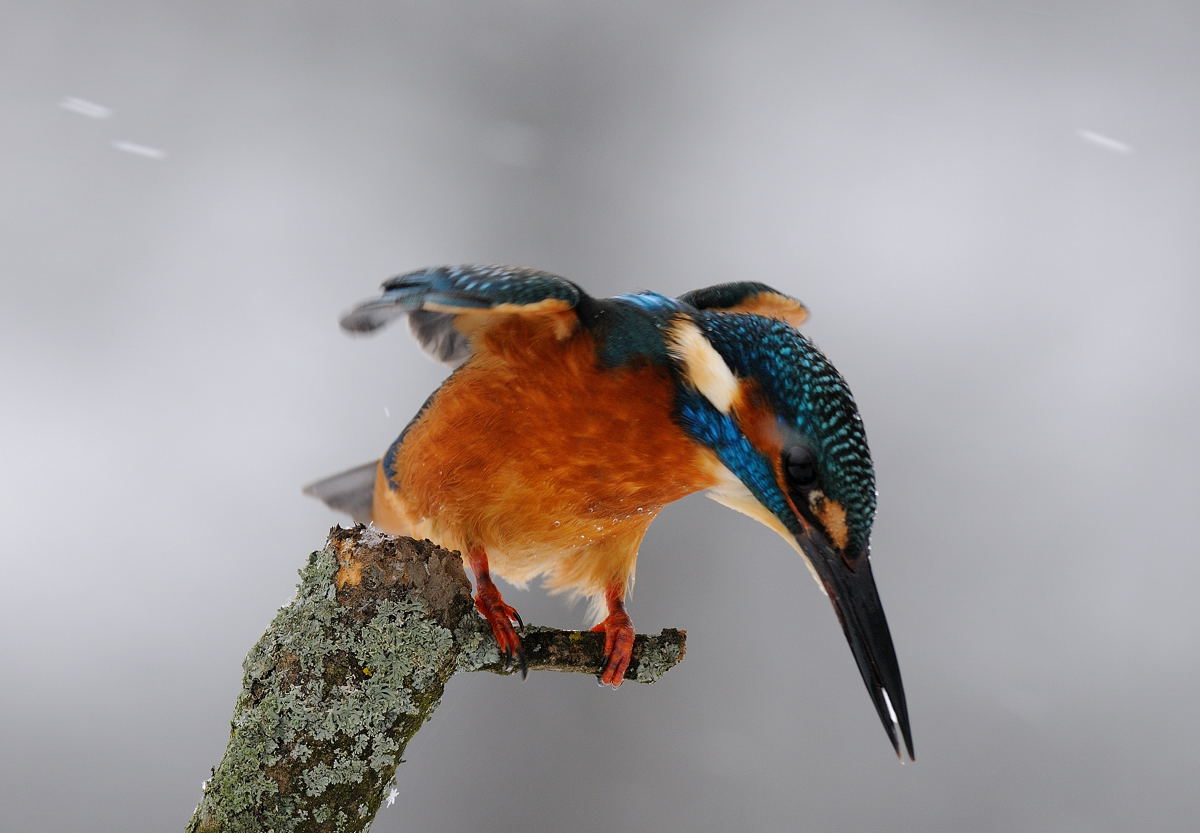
column 569, row 422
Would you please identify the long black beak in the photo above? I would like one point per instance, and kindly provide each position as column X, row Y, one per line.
column 856, row 601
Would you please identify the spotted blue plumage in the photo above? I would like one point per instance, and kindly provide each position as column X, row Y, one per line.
column 480, row 287
column 808, row 393
column 803, row 388
column 431, row 298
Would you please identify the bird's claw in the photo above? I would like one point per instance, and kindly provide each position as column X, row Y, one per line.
column 618, row 648
column 500, row 617
column 508, row 656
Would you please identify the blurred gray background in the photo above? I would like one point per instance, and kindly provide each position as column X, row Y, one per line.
column 990, row 207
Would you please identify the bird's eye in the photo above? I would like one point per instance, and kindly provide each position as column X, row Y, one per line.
column 800, row 463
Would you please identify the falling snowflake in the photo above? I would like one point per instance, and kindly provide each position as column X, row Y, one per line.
column 1106, row 142
column 85, row 108
column 140, row 150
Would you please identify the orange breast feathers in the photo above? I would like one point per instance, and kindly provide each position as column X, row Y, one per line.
column 551, row 463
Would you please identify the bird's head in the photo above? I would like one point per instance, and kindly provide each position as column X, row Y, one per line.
column 793, row 455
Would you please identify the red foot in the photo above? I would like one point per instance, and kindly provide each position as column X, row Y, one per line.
column 618, row 647
column 501, row 616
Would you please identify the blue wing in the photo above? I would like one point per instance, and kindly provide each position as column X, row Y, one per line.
column 437, row 300
column 749, row 297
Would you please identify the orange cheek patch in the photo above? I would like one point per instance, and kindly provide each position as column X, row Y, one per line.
column 758, row 421
column 833, row 518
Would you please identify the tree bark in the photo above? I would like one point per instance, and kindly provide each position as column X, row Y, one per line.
column 351, row 668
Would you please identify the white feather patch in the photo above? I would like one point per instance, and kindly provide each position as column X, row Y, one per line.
column 702, row 364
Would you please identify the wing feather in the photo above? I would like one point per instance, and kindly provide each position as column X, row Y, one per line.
column 750, row 297
column 445, row 303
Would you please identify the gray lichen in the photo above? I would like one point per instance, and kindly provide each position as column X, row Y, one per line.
column 350, row 669
column 331, row 694
column 476, row 647
column 657, row 658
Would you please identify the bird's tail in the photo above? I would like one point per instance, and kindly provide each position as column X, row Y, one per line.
column 350, row 492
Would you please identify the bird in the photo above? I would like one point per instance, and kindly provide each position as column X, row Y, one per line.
column 569, row 422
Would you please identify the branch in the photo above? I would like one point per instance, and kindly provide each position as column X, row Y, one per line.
column 351, row 668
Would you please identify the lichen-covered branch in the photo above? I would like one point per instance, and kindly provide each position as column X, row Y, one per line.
column 549, row 649
column 350, row 670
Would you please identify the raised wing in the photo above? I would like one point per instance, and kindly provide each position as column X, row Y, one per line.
column 748, row 296
column 447, row 305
